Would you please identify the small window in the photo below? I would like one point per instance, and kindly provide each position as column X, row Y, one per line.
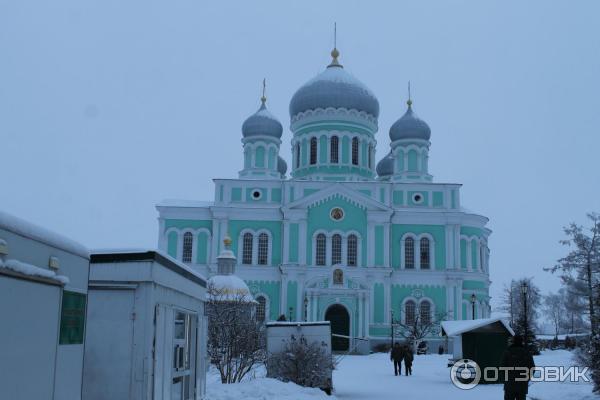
column 482, row 257
column 313, row 150
column 425, row 311
column 256, row 194
column 370, row 156
column 338, row 277
column 321, row 250
column 333, row 150
column 355, row 151
column 297, row 150
column 425, row 256
column 263, row 249
column 188, row 240
column 247, row 248
column 409, row 253
column 261, row 309
column 336, row 249
column 352, row 250
column 409, row 312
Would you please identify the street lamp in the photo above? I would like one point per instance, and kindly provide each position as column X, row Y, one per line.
column 291, row 309
column 473, row 300
column 305, row 308
column 392, row 326
column 524, row 289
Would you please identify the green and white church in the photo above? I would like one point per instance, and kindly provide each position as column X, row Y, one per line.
column 341, row 238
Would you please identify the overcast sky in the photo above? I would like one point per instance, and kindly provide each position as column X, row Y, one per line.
column 107, row 107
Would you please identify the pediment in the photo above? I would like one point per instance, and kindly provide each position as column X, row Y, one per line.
column 338, row 190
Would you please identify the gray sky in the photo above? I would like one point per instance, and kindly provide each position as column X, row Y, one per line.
column 107, row 107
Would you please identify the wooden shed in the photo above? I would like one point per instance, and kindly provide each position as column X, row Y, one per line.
column 481, row 340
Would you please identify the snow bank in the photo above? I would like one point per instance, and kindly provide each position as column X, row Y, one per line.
column 43, row 235
column 264, row 389
column 32, row 270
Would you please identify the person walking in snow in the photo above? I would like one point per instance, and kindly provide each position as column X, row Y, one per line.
column 517, row 356
column 408, row 359
column 396, row 355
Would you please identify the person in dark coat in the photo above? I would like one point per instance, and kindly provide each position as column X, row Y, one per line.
column 517, row 356
column 408, row 359
column 396, row 355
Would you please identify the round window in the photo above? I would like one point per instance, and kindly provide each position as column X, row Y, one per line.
column 256, row 194
column 417, row 198
column 337, row 214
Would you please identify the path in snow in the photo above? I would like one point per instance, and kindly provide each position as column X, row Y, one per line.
column 372, row 377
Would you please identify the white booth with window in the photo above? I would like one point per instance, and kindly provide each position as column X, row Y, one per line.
column 145, row 336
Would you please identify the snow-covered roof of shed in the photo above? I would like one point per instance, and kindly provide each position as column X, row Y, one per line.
column 141, row 254
column 229, row 288
column 184, row 203
column 27, row 229
column 31, row 270
column 454, row 328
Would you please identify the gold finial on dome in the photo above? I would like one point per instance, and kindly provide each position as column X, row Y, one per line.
column 263, row 98
column 335, row 52
column 227, row 241
column 409, row 101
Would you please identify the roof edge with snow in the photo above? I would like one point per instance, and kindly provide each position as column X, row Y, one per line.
column 455, row 328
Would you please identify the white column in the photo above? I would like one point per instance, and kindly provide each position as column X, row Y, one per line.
column 302, row 243
column 283, row 302
column 370, row 244
column 286, row 241
column 367, row 309
column 386, row 300
column 215, row 241
column 449, row 248
column 456, row 239
column 387, row 233
column 360, row 314
column 315, row 310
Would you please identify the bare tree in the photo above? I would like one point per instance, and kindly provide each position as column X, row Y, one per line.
column 575, row 312
column 507, row 301
column 236, row 340
column 580, row 267
column 512, row 301
column 416, row 327
column 554, row 309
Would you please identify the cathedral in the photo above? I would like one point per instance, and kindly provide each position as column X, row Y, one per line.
column 342, row 238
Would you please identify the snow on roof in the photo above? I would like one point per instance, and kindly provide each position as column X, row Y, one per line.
column 43, row 235
column 141, row 250
column 298, row 323
column 32, row 270
column 184, row 203
column 454, row 328
column 229, row 288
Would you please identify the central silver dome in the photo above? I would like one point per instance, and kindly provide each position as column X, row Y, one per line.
column 335, row 88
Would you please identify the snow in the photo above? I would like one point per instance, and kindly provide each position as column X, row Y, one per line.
column 43, row 235
column 32, row 270
column 453, row 328
column 372, row 377
column 230, row 287
column 562, row 336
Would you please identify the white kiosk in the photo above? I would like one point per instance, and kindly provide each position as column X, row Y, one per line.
column 145, row 336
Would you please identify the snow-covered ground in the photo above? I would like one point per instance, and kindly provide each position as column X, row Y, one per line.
column 372, row 377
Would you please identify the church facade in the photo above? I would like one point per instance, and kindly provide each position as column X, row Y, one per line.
column 341, row 238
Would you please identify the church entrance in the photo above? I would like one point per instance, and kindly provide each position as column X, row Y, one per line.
column 340, row 325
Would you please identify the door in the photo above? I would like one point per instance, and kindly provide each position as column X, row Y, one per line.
column 109, row 344
column 340, row 325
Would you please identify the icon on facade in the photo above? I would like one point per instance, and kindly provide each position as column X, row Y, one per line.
column 337, row 214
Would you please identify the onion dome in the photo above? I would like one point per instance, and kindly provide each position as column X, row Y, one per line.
column 334, row 88
column 262, row 123
column 409, row 126
column 385, row 167
column 281, row 166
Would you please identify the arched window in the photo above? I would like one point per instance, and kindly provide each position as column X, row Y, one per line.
column 263, row 249
column 482, row 257
column 313, row 150
column 261, row 308
column 370, row 155
column 354, row 151
column 333, row 150
column 425, row 311
column 297, row 150
column 352, row 250
column 409, row 253
column 247, row 248
column 186, row 254
column 409, row 312
column 338, row 277
column 321, row 249
column 336, row 249
column 425, row 256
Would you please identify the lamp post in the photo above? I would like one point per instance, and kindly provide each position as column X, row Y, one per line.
column 473, row 300
column 291, row 309
column 524, row 289
column 305, row 309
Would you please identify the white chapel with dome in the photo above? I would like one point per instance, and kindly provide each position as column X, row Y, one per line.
column 338, row 237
